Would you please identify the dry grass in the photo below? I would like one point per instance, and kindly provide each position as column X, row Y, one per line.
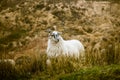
column 23, row 39
column 27, row 66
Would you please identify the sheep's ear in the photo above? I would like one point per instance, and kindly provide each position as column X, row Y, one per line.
column 49, row 30
column 55, row 27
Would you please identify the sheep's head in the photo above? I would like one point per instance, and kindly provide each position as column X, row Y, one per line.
column 54, row 36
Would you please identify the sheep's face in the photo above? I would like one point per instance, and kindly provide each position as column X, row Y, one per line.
column 55, row 36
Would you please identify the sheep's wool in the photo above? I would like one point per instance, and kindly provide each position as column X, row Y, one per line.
column 72, row 48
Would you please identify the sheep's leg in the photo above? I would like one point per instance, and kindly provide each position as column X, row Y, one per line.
column 48, row 62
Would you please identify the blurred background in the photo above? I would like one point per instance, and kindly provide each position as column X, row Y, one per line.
column 23, row 38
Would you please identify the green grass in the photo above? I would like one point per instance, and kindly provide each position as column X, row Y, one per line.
column 109, row 72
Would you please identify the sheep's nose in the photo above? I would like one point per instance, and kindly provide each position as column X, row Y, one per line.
column 57, row 40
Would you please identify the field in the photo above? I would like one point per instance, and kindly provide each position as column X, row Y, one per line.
column 23, row 39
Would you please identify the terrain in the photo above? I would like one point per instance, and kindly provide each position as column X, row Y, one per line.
column 23, row 38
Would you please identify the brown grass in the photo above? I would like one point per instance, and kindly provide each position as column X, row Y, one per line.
column 25, row 26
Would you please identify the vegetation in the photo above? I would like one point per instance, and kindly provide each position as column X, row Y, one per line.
column 23, row 38
column 110, row 72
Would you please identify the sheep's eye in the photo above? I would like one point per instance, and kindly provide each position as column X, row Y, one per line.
column 58, row 34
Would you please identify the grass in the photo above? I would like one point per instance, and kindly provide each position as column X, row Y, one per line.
column 64, row 68
column 14, row 36
column 110, row 72
column 98, row 66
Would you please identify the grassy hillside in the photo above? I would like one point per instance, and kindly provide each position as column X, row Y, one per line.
column 23, row 38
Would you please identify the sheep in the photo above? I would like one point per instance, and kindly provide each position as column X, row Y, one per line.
column 57, row 46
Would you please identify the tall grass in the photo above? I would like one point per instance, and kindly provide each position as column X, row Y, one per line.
column 109, row 55
column 28, row 67
column 60, row 65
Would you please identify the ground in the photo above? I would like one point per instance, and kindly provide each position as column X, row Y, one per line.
column 23, row 38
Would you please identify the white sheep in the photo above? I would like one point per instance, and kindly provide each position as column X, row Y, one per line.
column 57, row 46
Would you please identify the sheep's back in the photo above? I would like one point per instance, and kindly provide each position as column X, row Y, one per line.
column 74, row 47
